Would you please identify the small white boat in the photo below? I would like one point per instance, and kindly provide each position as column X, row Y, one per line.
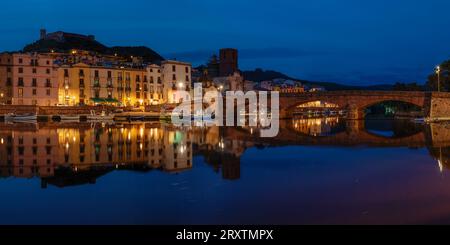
column 70, row 118
column 419, row 120
column 100, row 117
column 12, row 117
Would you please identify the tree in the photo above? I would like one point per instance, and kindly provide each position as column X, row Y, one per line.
column 432, row 83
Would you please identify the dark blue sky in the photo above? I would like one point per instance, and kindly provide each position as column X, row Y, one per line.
column 347, row 41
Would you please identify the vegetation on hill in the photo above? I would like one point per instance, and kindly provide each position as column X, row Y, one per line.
column 71, row 43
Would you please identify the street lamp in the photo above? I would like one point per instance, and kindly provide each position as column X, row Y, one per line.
column 438, row 72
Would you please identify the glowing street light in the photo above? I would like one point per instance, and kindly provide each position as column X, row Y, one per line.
column 438, row 72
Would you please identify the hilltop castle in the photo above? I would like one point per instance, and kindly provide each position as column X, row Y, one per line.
column 61, row 36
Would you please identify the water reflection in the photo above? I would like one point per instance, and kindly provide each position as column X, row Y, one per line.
column 68, row 155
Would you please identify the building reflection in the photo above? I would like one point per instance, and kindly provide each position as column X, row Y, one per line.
column 316, row 126
column 66, row 155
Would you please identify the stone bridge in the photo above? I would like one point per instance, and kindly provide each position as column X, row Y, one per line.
column 355, row 102
column 355, row 134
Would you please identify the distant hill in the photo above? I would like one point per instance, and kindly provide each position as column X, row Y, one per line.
column 146, row 53
column 71, row 42
column 259, row 75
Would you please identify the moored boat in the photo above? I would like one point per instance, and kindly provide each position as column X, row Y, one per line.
column 70, row 118
column 29, row 117
column 103, row 116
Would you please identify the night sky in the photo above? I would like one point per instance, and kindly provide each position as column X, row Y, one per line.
column 346, row 41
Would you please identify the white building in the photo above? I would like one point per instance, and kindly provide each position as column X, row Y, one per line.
column 176, row 76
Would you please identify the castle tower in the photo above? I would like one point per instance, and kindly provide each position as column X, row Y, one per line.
column 228, row 62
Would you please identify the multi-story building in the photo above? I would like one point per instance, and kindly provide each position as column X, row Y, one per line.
column 156, row 87
column 28, row 79
column 82, row 84
column 36, row 79
column 176, row 77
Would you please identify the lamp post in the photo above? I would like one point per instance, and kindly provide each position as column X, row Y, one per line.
column 438, row 72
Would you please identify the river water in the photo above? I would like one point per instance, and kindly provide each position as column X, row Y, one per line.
column 316, row 171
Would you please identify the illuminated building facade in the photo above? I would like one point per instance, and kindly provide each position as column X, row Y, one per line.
column 28, row 79
column 176, row 77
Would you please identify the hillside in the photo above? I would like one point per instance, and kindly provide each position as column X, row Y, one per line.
column 259, row 75
column 71, row 43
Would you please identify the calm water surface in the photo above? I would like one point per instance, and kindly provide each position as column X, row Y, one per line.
column 317, row 171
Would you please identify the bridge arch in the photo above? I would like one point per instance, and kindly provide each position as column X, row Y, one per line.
column 354, row 102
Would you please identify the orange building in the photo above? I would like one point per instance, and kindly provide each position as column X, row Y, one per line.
column 28, row 79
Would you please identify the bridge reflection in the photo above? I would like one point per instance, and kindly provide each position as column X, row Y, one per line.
column 67, row 155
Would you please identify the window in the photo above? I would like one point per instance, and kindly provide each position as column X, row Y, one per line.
column 20, row 92
column 20, row 61
column 48, row 92
column 34, row 82
column 48, row 71
column 20, row 82
column 48, row 84
column 174, row 77
column 34, row 70
column 48, row 62
column 174, row 68
column 81, row 73
column 34, row 91
column 109, row 74
column 8, row 69
column 21, row 149
column 96, row 73
column 152, row 80
column 187, row 69
column 8, row 81
column 20, row 70
column 187, row 78
column 66, row 73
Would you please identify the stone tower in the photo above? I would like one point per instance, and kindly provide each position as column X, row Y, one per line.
column 228, row 61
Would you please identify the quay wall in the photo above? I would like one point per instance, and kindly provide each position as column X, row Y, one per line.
column 52, row 110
